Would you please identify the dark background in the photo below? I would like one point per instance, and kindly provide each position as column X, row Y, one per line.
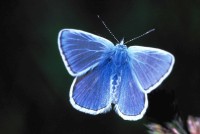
column 34, row 84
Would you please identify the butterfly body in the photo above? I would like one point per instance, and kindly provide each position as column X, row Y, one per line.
column 108, row 74
column 120, row 56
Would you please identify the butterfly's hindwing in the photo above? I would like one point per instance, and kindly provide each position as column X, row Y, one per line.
column 132, row 102
column 90, row 93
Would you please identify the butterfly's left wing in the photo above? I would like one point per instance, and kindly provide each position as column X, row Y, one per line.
column 132, row 101
column 150, row 65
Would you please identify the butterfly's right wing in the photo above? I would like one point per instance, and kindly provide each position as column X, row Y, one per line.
column 81, row 51
column 144, row 71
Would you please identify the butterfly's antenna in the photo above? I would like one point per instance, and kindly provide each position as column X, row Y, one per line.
column 140, row 36
column 107, row 28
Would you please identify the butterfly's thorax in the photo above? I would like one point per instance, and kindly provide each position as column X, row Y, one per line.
column 119, row 57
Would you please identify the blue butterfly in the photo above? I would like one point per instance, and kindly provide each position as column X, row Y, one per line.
column 108, row 74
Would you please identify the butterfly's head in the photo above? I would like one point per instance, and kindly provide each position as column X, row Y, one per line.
column 121, row 45
column 122, row 42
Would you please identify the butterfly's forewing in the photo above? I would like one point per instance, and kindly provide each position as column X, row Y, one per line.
column 81, row 50
column 90, row 93
column 132, row 102
column 150, row 65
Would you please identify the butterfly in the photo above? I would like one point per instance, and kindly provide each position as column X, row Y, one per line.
column 107, row 74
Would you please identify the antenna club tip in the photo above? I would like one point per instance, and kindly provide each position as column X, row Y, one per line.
column 150, row 31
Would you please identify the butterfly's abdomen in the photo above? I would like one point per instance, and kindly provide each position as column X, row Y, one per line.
column 115, row 80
